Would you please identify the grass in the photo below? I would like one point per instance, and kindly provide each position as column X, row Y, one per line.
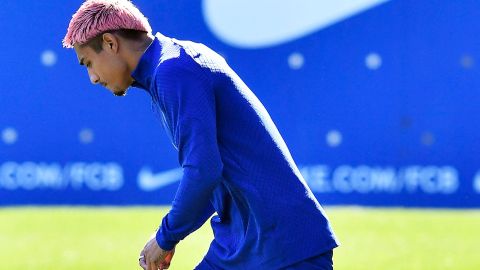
column 111, row 238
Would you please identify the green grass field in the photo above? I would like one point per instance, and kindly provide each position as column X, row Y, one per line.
column 111, row 238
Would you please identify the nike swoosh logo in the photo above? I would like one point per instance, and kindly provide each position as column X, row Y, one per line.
column 148, row 181
column 266, row 23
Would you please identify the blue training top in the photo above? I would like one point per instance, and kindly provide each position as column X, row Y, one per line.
column 234, row 162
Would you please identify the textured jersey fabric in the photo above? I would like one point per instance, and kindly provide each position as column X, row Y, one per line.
column 234, row 161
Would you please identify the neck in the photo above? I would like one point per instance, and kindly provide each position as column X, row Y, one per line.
column 137, row 50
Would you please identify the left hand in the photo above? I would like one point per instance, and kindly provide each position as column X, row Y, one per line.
column 153, row 257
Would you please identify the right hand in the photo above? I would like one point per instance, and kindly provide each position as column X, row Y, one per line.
column 153, row 257
column 168, row 259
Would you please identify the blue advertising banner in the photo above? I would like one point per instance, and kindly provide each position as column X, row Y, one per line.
column 376, row 99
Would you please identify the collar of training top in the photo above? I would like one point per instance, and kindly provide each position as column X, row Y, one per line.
column 149, row 61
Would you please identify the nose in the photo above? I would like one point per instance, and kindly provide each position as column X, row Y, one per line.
column 93, row 77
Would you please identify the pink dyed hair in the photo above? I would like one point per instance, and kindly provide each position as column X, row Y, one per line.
column 98, row 16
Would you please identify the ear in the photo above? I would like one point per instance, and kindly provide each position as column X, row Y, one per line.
column 110, row 42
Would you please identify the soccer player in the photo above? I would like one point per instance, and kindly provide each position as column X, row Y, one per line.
column 234, row 160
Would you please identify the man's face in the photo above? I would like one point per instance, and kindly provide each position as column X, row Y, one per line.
column 107, row 68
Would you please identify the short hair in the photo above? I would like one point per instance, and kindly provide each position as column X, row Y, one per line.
column 95, row 17
column 96, row 43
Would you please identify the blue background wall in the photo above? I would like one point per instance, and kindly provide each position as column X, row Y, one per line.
column 379, row 107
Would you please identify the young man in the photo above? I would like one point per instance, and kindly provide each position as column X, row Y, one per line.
column 234, row 160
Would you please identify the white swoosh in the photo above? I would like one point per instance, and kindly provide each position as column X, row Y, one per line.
column 265, row 23
column 147, row 181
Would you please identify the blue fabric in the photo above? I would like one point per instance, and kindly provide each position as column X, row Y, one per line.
column 321, row 262
column 235, row 163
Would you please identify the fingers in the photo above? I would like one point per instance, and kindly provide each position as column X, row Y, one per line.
column 142, row 261
column 149, row 259
column 153, row 262
column 152, row 265
column 153, row 257
column 168, row 259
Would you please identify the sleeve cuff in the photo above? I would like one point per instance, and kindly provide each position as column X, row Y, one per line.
column 162, row 238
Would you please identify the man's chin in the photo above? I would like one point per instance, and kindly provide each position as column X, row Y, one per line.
column 120, row 93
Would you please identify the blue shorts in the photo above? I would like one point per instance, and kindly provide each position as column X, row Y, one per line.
column 323, row 261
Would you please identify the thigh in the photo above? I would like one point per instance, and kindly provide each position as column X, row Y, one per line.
column 323, row 261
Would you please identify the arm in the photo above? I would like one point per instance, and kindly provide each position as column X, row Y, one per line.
column 189, row 105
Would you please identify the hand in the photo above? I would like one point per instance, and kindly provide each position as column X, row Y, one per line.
column 153, row 257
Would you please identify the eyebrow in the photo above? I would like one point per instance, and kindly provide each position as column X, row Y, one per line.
column 81, row 61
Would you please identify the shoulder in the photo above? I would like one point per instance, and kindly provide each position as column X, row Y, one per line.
column 181, row 70
column 180, row 65
column 196, row 57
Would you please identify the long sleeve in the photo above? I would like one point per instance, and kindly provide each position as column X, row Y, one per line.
column 234, row 162
column 189, row 106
